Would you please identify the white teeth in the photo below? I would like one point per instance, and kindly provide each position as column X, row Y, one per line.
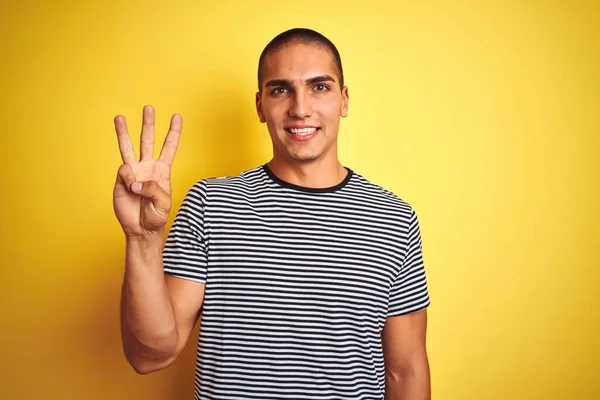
column 302, row 131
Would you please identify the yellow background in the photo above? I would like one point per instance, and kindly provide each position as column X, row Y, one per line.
column 484, row 116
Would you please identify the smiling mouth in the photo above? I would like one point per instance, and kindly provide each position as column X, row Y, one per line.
column 302, row 131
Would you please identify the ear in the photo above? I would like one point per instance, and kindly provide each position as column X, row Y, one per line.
column 345, row 97
column 259, row 110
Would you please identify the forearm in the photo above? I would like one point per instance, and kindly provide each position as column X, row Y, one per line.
column 410, row 383
column 148, row 327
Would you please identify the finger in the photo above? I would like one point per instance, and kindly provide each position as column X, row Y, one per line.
column 125, row 178
column 152, row 190
column 147, row 138
column 167, row 154
column 125, row 146
column 126, row 175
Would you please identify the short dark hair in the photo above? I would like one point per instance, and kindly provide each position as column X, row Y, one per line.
column 301, row 36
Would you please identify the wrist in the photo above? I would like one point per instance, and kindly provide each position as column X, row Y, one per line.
column 153, row 239
column 144, row 250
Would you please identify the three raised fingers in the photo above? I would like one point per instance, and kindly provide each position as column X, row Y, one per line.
column 167, row 154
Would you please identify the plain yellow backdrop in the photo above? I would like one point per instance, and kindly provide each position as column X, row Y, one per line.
column 483, row 115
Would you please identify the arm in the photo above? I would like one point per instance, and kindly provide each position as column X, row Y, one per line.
column 406, row 363
column 158, row 311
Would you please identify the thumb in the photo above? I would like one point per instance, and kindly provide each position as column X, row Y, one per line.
column 153, row 191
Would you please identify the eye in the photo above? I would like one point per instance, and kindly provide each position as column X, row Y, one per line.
column 279, row 90
column 320, row 87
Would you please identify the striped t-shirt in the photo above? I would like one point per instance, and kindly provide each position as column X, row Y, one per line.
column 299, row 283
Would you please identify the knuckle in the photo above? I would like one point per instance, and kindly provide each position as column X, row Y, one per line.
column 123, row 170
column 126, row 171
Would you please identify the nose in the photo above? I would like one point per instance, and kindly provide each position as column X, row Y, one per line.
column 301, row 105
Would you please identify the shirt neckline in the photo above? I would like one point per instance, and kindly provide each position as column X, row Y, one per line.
column 330, row 189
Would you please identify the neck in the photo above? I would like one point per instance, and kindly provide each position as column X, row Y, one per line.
column 315, row 174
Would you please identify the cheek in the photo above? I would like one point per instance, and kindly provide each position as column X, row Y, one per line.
column 329, row 111
column 274, row 113
column 274, row 121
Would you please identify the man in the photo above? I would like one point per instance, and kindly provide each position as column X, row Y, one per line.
column 309, row 278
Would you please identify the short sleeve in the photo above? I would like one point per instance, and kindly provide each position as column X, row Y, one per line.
column 185, row 253
column 409, row 292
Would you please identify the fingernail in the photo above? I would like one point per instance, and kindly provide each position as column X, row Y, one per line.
column 137, row 186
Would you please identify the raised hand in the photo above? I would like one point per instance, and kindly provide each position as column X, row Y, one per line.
column 142, row 194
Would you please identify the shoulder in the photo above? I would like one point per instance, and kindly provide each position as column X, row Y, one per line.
column 376, row 195
column 245, row 182
column 245, row 179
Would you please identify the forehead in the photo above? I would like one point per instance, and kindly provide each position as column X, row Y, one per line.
column 298, row 62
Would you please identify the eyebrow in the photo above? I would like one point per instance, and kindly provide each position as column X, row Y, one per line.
column 310, row 81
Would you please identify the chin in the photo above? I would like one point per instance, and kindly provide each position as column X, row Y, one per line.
column 305, row 160
column 305, row 157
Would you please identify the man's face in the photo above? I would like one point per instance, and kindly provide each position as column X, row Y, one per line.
column 301, row 102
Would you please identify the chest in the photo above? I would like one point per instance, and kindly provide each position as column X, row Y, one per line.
column 300, row 254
